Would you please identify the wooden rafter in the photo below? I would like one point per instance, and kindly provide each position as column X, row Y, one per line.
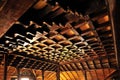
column 11, row 12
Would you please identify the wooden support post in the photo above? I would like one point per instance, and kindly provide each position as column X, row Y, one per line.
column 33, row 72
column 58, row 73
column 18, row 73
column 43, row 74
column 5, row 67
column 114, row 13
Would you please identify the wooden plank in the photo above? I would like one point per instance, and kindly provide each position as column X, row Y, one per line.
column 13, row 10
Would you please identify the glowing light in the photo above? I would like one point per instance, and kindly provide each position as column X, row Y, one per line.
column 24, row 79
column 25, row 44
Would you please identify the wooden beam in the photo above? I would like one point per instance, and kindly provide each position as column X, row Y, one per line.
column 79, row 61
column 87, row 65
column 114, row 11
column 110, row 75
column 55, row 63
column 10, row 13
column 5, row 66
column 58, row 73
column 43, row 74
column 85, row 74
column 18, row 73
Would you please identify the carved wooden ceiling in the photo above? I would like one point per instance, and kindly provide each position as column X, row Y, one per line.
column 76, row 35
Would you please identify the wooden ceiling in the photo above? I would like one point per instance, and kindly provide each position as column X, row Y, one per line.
column 42, row 35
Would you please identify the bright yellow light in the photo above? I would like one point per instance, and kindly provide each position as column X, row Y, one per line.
column 24, row 79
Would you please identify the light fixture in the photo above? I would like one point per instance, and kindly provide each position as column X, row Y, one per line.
column 24, row 79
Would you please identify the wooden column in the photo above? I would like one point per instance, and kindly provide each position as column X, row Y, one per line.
column 58, row 73
column 43, row 74
column 18, row 73
column 114, row 12
column 5, row 67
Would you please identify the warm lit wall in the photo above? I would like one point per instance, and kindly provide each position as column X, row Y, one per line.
column 99, row 74
column 11, row 72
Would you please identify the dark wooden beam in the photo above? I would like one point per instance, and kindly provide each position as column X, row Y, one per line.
column 58, row 73
column 87, row 65
column 114, row 13
column 43, row 74
column 83, row 68
column 94, row 64
column 91, row 59
column 18, row 73
column 55, row 63
column 5, row 67
column 111, row 74
column 10, row 13
column 101, row 63
column 85, row 75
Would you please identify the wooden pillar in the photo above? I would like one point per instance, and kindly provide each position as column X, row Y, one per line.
column 114, row 12
column 18, row 73
column 5, row 67
column 43, row 74
column 58, row 73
